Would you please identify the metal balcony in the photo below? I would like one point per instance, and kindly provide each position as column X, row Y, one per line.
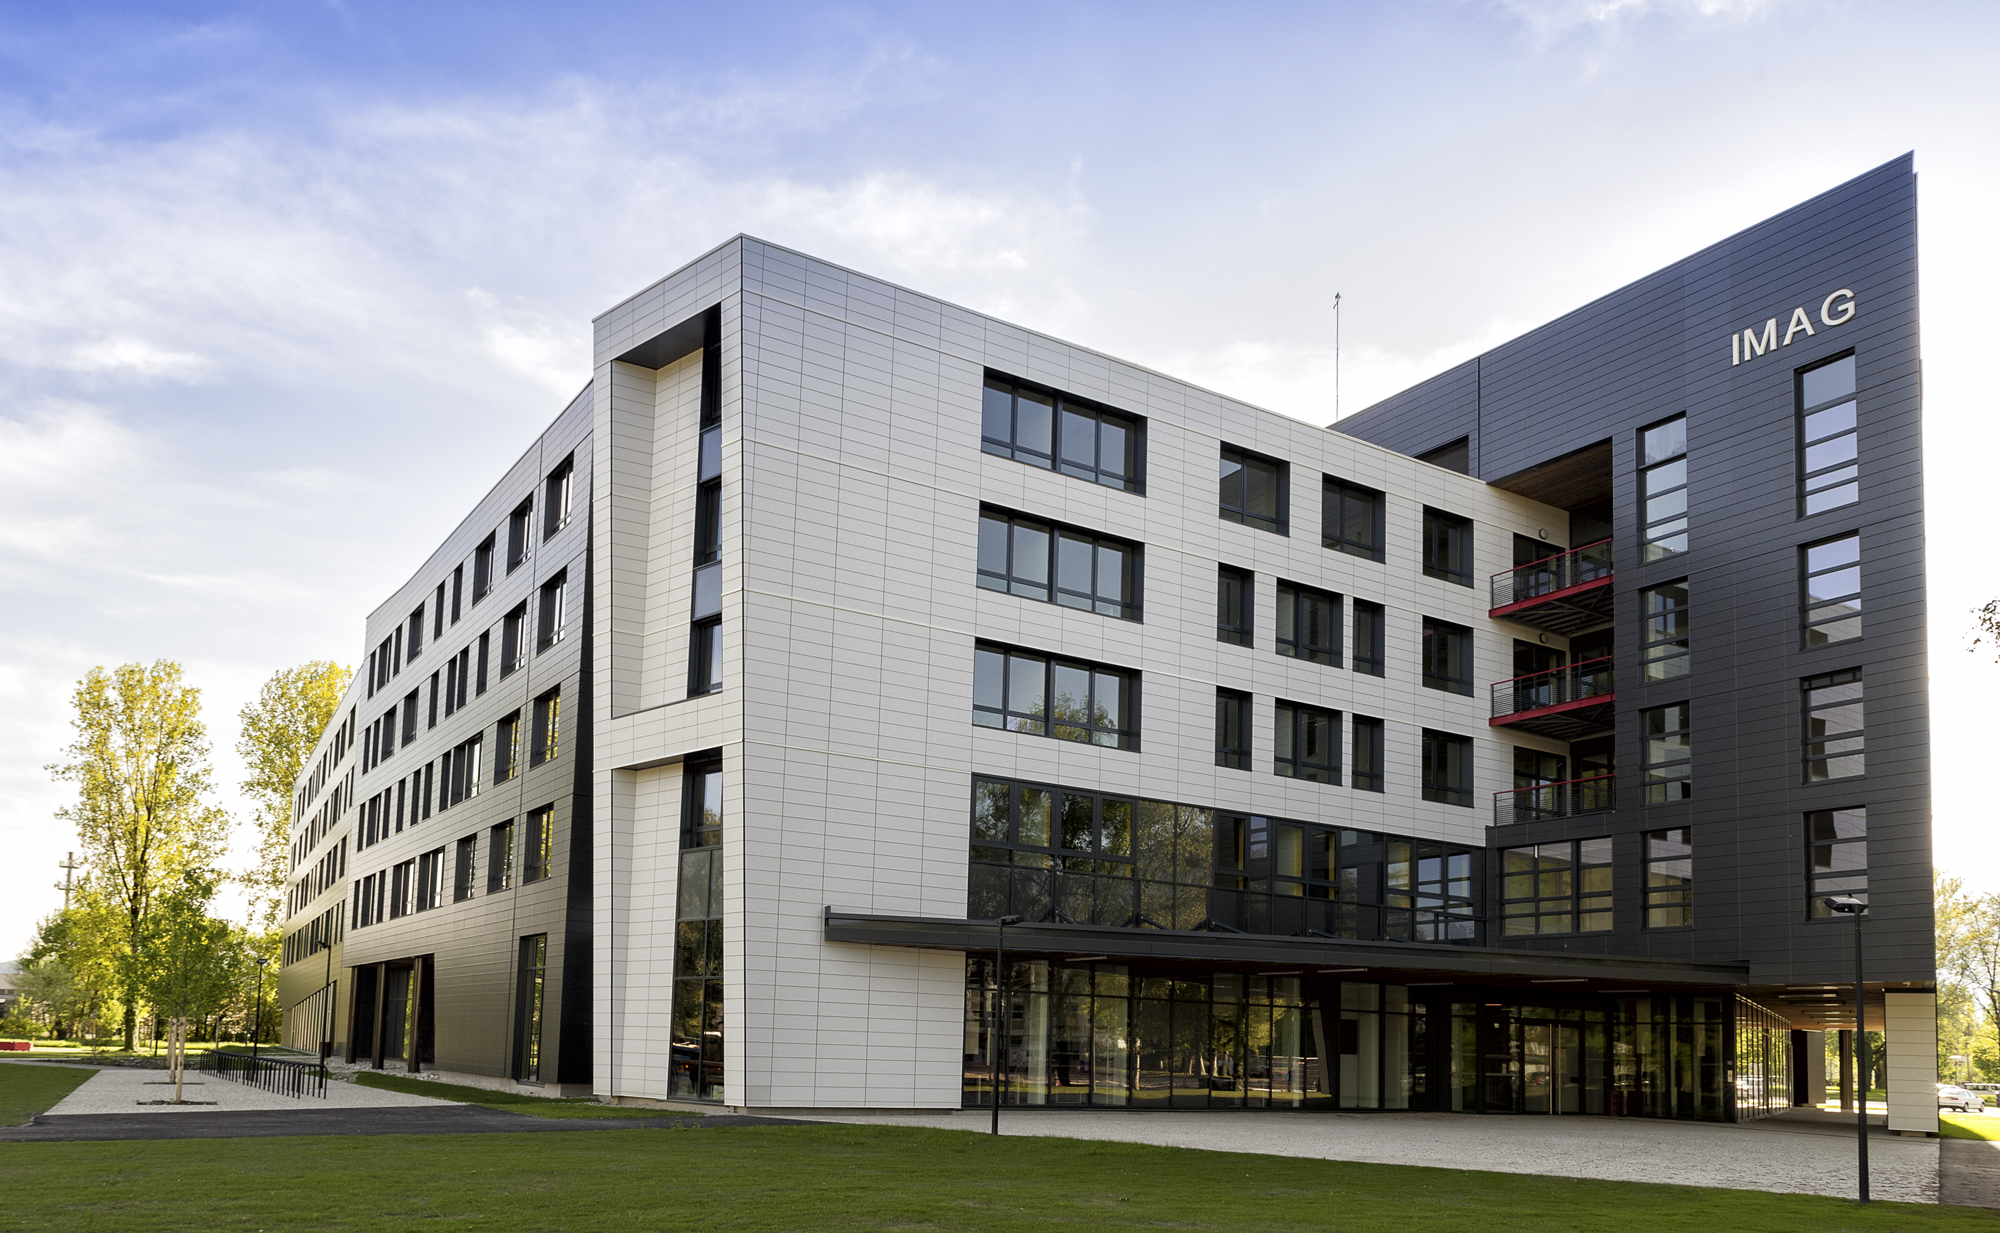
column 1564, row 703
column 1564, row 594
column 1598, row 794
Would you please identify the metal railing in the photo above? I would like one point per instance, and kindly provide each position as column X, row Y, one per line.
column 278, row 1075
column 1593, row 678
column 1597, row 794
column 1551, row 574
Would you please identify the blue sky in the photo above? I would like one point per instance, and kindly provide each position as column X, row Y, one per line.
column 284, row 286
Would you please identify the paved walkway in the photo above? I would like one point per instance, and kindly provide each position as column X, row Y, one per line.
column 439, row 1118
column 1784, row 1154
column 1969, row 1173
column 131, row 1091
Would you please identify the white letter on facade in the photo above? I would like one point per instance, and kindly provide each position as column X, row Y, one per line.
column 1754, row 346
column 1846, row 310
column 1735, row 350
column 1799, row 322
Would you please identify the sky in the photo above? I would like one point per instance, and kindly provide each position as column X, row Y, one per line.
column 285, row 286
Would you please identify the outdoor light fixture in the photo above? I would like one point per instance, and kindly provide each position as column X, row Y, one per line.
column 1848, row 905
column 999, row 1010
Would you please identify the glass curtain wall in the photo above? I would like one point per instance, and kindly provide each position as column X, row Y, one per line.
column 1763, row 1062
column 697, row 1065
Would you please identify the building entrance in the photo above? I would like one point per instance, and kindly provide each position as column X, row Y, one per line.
column 1552, row 1067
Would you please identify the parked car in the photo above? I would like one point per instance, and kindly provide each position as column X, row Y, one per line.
column 1952, row 1096
column 1988, row 1090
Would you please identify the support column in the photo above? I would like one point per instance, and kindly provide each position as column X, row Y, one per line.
column 1814, row 1080
column 411, row 1026
column 1909, row 1031
column 1846, row 1070
column 381, row 1003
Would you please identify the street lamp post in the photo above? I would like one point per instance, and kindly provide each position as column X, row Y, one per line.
column 326, row 1015
column 257, row 1024
column 993, row 1046
column 1847, row 905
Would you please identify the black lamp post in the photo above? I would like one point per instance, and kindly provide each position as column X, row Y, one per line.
column 1847, row 905
column 994, row 1049
column 326, row 1017
column 256, row 1025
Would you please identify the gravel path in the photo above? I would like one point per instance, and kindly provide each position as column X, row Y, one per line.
column 1802, row 1156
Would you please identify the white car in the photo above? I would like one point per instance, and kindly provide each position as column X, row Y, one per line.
column 1952, row 1096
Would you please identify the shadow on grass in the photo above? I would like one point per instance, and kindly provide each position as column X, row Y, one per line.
column 28, row 1090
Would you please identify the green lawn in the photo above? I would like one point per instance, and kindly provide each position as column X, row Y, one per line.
column 741, row 1179
column 513, row 1102
column 1968, row 1126
column 28, row 1090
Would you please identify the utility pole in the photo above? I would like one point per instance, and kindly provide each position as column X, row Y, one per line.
column 69, row 866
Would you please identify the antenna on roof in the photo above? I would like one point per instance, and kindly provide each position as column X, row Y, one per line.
column 1336, row 355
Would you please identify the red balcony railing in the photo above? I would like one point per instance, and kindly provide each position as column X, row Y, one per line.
column 1567, row 592
column 1565, row 703
column 1597, row 794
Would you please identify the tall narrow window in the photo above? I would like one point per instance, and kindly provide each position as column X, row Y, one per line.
column 514, row 640
column 705, row 657
column 534, row 966
column 1663, row 632
column 1253, row 490
column 1669, row 878
column 556, row 496
column 430, row 880
column 548, row 724
column 1663, row 480
column 1668, row 767
column 1369, row 634
column 1835, row 736
column 1365, row 755
column 500, row 858
column 1233, row 606
column 1060, row 432
column 1829, row 466
column 1447, row 768
column 410, row 716
column 696, row 1025
column 457, row 591
column 1057, row 564
column 518, row 524
column 414, row 644
column 1232, row 729
column 1306, row 743
column 1447, row 656
column 485, row 646
column 1351, row 519
column 538, row 861
column 1039, row 695
column 1836, row 857
column 437, row 613
column 482, row 570
column 1832, row 586
column 553, row 614
column 507, row 748
column 465, row 869
column 1447, row 547
column 1308, row 624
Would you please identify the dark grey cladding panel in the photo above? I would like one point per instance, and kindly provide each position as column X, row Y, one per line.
column 669, row 344
column 1423, row 417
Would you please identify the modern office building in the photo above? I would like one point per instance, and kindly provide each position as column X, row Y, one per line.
column 1493, row 751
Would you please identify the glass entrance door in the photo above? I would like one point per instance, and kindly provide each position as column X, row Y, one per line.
column 1551, row 1068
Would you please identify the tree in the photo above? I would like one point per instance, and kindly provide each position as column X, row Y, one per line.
column 279, row 731
column 187, row 958
column 1968, row 950
column 140, row 764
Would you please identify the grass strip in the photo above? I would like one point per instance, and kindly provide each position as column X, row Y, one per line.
column 513, row 1102
column 26, row 1090
column 836, row 1178
column 1968, row 1126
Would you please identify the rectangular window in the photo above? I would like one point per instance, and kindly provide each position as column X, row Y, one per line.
column 556, row 496
column 434, row 700
column 1836, row 857
column 1370, row 620
column 1832, row 585
column 485, row 644
column 1668, row 767
column 1447, row 656
column 1663, row 630
column 1308, row 624
column 548, row 723
column 500, row 858
column 1060, row 432
column 427, row 788
column 507, row 748
column 1041, row 695
column 534, row 965
column 1232, row 729
column 1561, row 887
column 1365, row 755
column 466, row 871
column 414, row 644
column 409, row 717
column 1834, row 726
column 400, row 879
column 463, row 782
column 696, row 1021
column 457, row 590
column 708, row 510
column 553, row 614
column 514, row 640
column 1233, row 605
column 1254, row 490
column 1447, row 768
column 539, row 862
column 437, row 613
column 1669, row 878
column 1306, row 743
column 1829, row 438
column 1056, row 564
column 1663, row 480
column 386, row 734
column 518, row 524
column 705, row 657
column 1447, row 547
column 430, row 879
column 701, row 815
column 482, row 570
column 1351, row 519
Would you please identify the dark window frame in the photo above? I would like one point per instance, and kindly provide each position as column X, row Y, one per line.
column 1447, row 546
column 1233, row 729
column 1339, row 500
column 1443, row 641
column 1370, row 640
column 1051, row 587
column 1565, row 881
column 545, row 737
column 1294, row 599
column 1823, row 696
column 1832, row 836
column 538, row 856
column 1669, row 888
column 520, row 534
column 1657, row 534
column 1658, row 776
column 1366, row 751
column 1820, row 616
column 1067, row 414
column 1279, row 523
column 1007, row 717
column 482, row 570
column 1449, row 774
column 1664, row 633
column 704, row 652
column 558, row 494
column 1835, row 485
column 1243, row 632
column 1291, row 723
column 552, row 619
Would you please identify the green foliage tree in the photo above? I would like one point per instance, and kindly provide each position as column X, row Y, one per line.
column 139, row 761
column 1968, row 963
column 279, row 731
column 189, row 957
column 74, row 965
